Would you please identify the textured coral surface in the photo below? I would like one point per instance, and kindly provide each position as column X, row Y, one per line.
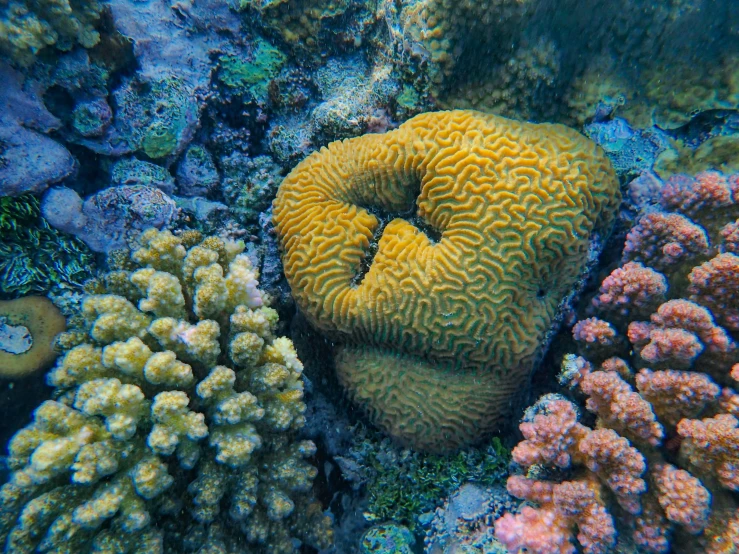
column 659, row 372
column 444, row 246
column 37, row 322
column 173, row 418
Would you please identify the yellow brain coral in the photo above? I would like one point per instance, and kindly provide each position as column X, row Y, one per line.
column 479, row 227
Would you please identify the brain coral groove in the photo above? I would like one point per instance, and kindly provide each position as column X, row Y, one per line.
column 453, row 325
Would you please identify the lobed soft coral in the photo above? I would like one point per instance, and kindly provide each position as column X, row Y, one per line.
column 173, row 419
column 658, row 368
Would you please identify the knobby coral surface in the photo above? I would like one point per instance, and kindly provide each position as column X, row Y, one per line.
column 437, row 254
column 27, row 27
column 173, row 418
column 658, row 369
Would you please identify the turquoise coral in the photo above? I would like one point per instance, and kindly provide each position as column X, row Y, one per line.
column 156, row 396
column 250, row 76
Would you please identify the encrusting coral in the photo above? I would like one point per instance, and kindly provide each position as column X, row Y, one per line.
column 448, row 309
column 28, row 327
column 659, row 368
column 173, row 418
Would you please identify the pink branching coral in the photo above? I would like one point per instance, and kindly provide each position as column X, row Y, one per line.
column 712, row 445
column 565, row 507
column 730, row 236
column 715, row 284
column 598, row 337
column 631, row 290
column 621, row 408
column 664, row 449
column 675, row 395
column 707, row 192
column 683, row 498
column 661, row 240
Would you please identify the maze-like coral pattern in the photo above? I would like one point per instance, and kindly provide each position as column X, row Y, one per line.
column 513, row 205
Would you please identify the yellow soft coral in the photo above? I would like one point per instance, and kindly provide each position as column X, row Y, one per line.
column 502, row 213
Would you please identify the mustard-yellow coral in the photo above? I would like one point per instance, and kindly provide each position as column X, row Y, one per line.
column 28, row 327
column 437, row 255
column 158, row 397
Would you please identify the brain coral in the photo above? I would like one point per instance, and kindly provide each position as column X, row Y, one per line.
column 441, row 315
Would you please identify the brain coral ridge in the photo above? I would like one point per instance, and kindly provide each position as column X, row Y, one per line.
column 437, row 254
column 173, row 419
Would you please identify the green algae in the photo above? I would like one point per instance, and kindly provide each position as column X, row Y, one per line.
column 250, row 76
column 34, row 257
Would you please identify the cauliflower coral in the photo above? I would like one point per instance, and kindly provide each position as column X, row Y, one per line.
column 659, row 369
column 172, row 424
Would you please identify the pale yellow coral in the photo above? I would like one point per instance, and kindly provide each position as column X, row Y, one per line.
column 160, row 250
column 163, row 368
column 229, row 407
column 235, row 443
column 262, row 321
column 162, row 292
column 128, row 357
column 150, row 477
column 82, row 363
column 197, row 342
column 210, row 291
column 241, row 284
column 87, row 468
column 113, row 318
column 121, row 405
column 198, row 257
column 246, row 349
column 174, row 422
column 96, row 460
column 282, row 351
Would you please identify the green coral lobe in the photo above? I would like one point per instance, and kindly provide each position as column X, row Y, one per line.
column 251, row 76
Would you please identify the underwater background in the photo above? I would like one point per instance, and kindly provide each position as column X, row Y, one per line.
column 501, row 316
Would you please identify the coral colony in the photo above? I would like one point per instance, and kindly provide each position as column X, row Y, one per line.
column 369, row 276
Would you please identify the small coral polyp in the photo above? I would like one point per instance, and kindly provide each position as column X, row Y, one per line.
column 175, row 400
column 441, row 318
column 659, row 368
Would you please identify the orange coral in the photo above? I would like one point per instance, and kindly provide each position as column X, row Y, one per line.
column 28, row 327
column 501, row 213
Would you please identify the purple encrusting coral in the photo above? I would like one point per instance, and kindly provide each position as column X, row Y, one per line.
column 658, row 368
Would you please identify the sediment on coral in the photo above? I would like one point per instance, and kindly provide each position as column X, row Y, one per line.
column 657, row 368
column 377, row 261
column 174, row 417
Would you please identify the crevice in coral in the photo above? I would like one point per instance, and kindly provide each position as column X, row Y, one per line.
column 384, row 217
